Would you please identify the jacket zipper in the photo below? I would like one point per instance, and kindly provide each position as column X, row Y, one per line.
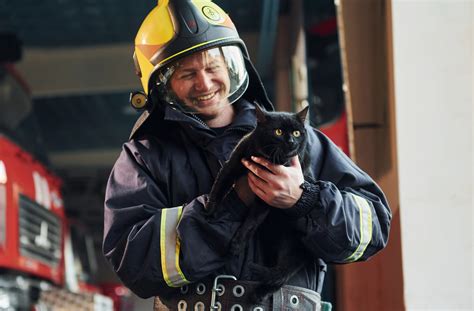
column 200, row 121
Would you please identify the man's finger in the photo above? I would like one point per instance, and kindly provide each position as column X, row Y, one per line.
column 257, row 181
column 258, row 170
column 253, row 184
column 267, row 164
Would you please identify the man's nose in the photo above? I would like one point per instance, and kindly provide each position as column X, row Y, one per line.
column 203, row 81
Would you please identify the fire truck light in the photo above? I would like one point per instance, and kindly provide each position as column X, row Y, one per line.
column 3, row 173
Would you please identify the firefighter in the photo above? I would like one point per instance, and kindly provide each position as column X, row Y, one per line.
column 199, row 95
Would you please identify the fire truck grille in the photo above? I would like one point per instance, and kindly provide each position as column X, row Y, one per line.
column 40, row 232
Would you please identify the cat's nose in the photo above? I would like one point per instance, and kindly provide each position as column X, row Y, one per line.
column 292, row 143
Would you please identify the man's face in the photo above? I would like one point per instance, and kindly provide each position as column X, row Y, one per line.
column 201, row 82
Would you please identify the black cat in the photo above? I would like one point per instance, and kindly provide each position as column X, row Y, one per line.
column 278, row 137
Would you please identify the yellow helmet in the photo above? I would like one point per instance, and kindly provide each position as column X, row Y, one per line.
column 177, row 28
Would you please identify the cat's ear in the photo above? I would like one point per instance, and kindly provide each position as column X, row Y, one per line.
column 303, row 114
column 260, row 114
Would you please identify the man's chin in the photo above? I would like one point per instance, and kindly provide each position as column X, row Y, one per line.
column 211, row 110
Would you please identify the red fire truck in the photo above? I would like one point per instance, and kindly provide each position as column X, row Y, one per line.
column 31, row 226
column 34, row 238
column 37, row 259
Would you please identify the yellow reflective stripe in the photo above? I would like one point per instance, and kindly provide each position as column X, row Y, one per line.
column 170, row 246
column 178, row 246
column 191, row 48
column 365, row 223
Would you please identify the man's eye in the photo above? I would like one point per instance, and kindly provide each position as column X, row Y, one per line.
column 213, row 69
column 187, row 76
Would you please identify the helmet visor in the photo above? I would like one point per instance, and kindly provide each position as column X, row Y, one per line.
column 206, row 81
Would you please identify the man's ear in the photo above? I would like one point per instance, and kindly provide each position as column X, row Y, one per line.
column 260, row 114
column 303, row 114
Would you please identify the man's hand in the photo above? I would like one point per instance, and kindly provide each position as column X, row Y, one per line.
column 277, row 185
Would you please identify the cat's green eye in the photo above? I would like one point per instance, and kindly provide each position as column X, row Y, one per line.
column 278, row 132
column 296, row 133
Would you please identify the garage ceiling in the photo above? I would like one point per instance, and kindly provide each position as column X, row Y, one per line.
column 55, row 23
column 59, row 23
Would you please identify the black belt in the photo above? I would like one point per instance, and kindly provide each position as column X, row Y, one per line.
column 227, row 294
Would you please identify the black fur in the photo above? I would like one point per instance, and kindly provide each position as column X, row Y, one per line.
column 278, row 137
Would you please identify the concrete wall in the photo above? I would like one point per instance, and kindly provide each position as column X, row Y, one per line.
column 433, row 65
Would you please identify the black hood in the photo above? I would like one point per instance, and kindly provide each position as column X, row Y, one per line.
column 254, row 93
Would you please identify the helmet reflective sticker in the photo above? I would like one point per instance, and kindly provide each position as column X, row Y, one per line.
column 213, row 13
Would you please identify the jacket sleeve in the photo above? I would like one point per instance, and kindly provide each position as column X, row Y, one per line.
column 154, row 247
column 342, row 215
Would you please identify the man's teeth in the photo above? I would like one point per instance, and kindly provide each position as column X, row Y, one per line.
column 205, row 97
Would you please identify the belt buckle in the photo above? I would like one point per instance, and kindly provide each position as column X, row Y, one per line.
column 215, row 290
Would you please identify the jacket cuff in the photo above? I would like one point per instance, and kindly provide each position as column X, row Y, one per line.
column 309, row 199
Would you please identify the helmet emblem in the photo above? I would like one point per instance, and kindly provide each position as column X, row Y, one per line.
column 212, row 14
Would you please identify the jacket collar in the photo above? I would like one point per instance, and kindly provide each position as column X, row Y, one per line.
column 204, row 137
column 244, row 117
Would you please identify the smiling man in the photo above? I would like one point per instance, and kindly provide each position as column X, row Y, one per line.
column 201, row 82
column 201, row 89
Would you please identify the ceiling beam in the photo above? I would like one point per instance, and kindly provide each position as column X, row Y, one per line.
column 79, row 70
column 81, row 159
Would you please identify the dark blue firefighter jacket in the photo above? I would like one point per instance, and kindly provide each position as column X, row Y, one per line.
column 156, row 235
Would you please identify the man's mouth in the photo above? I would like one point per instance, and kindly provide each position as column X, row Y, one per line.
column 205, row 97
